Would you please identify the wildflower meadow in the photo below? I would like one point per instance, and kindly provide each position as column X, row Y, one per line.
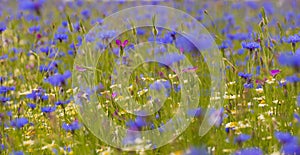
column 150, row 77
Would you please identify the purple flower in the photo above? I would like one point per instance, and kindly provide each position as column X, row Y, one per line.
column 241, row 138
column 249, row 151
column 71, row 127
column 274, row 72
column 48, row 109
column 120, row 44
column 19, row 122
column 250, row 46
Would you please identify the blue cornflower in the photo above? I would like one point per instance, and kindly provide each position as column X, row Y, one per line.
column 292, row 79
column 48, row 109
column 86, row 13
column 34, row 29
column 37, row 94
column 17, row 153
column 248, row 85
column 194, row 112
column 170, row 58
column 2, row 27
column 238, row 36
column 249, row 151
column 31, row 105
column 106, row 35
column 4, row 99
column 185, row 44
column 196, row 151
column 2, row 147
column 61, row 37
column 298, row 100
column 245, row 75
column 5, row 56
column 71, row 127
column 19, row 122
column 251, row 45
column 217, row 116
column 293, row 39
column 284, row 137
column 289, row 59
column 31, row 5
column 97, row 21
column 58, row 79
column 64, row 23
column 291, row 148
column 62, row 102
column 241, row 138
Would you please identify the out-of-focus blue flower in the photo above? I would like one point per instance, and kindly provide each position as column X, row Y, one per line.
column 61, row 37
column 4, row 99
column 183, row 43
column 170, row 58
column 284, row 137
column 71, row 127
column 31, row 5
column 249, row 151
column 86, row 13
column 140, row 122
column 238, row 36
column 292, row 39
column 241, row 138
column 58, row 79
column 291, row 148
column 194, row 112
column 217, row 116
column 4, row 89
column 269, row 7
column 2, row 27
column 19, row 122
column 248, row 85
column 5, row 56
column 64, row 23
column 48, row 109
column 245, row 75
column 62, row 102
column 106, row 35
column 30, row 105
column 292, row 79
column 196, row 151
column 97, row 21
column 289, row 59
column 34, row 29
column 17, row 153
column 251, row 45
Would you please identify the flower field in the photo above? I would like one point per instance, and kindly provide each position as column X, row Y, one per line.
column 48, row 105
